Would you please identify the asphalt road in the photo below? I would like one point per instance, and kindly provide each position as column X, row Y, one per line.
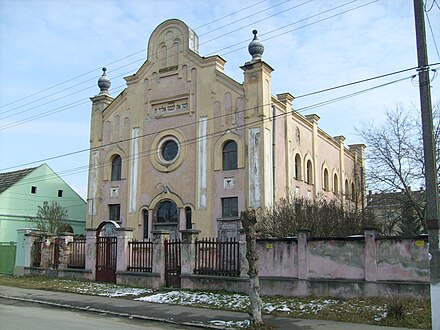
column 18, row 315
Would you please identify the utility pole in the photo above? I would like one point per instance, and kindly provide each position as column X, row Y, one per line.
column 432, row 196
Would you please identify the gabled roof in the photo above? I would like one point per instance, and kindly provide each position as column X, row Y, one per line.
column 8, row 179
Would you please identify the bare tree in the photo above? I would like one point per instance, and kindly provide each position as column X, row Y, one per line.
column 249, row 220
column 51, row 217
column 395, row 155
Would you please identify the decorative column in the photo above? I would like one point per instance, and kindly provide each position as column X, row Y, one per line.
column 188, row 250
column 370, row 255
column 63, row 240
column 303, row 254
column 123, row 236
column 91, row 251
column 159, row 238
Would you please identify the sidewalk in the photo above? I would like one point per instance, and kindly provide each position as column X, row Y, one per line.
column 195, row 317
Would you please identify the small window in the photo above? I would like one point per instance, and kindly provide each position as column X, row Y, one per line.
column 145, row 220
column 230, row 156
column 33, row 190
column 188, row 216
column 115, row 212
column 116, row 168
column 169, row 150
column 60, row 193
column 309, row 172
column 230, row 207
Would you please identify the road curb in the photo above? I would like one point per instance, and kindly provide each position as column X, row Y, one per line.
column 126, row 315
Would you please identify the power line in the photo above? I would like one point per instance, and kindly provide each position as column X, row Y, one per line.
column 118, row 60
column 225, row 48
column 213, row 134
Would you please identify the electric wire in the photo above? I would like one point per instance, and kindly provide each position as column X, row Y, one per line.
column 207, row 136
column 121, row 59
column 225, row 48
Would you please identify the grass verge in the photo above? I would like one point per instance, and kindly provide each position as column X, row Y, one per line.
column 410, row 313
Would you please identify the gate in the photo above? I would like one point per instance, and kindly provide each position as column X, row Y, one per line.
column 172, row 263
column 106, row 259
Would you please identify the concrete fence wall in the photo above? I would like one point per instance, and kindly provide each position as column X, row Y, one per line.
column 364, row 265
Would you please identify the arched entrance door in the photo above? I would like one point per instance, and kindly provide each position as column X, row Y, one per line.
column 167, row 218
column 106, row 252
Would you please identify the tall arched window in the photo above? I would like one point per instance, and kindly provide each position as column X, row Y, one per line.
column 230, row 155
column 145, row 220
column 347, row 193
column 309, row 172
column 335, row 184
column 297, row 167
column 325, row 183
column 188, row 216
column 167, row 212
column 116, row 168
column 353, row 192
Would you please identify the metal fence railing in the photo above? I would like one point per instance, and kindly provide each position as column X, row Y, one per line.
column 215, row 257
column 140, row 257
column 77, row 257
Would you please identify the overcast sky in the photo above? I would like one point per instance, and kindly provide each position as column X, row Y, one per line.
column 51, row 54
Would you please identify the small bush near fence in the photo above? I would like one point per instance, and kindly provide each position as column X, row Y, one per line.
column 215, row 257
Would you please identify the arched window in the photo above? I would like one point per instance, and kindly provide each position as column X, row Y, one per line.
column 188, row 216
column 335, row 184
column 167, row 212
column 116, row 168
column 230, row 156
column 325, row 183
column 353, row 192
column 309, row 172
column 297, row 167
column 145, row 220
column 347, row 193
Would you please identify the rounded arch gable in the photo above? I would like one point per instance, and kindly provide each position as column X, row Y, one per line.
column 166, row 196
column 218, row 149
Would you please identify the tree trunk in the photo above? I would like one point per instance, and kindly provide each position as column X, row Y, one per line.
column 249, row 219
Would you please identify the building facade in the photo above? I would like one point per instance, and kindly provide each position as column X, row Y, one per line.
column 184, row 146
column 22, row 191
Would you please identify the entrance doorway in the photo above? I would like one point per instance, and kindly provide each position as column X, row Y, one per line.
column 106, row 243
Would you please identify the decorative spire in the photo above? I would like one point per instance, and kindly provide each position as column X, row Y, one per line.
column 104, row 82
column 256, row 48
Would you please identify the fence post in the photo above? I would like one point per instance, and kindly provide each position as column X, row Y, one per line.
column 123, row 236
column 91, row 251
column 63, row 240
column 303, row 254
column 188, row 250
column 370, row 254
column 244, row 264
column 159, row 237
column 23, row 254
column 46, row 250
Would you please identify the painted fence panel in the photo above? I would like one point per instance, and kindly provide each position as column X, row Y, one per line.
column 402, row 259
column 7, row 257
column 336, row 259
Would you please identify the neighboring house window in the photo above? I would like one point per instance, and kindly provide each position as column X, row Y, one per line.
column 116, row 168
column 60, row 193
column 325, row 184
column 298, row 167
column 309, row 172
column 230, row 207
column 114, row 211
column 335, row 184
column 188, row 216
column 33, row 190
column 145, row 220
column 167, row 212
column 230, row 156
